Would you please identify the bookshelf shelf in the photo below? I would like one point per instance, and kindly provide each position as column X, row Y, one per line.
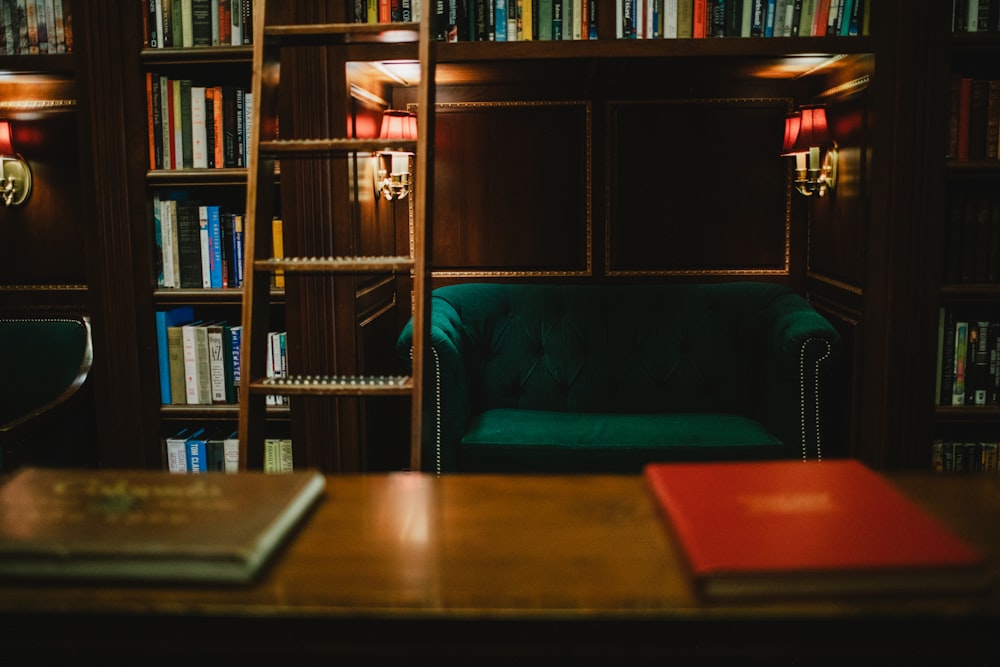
column 226, row 412
column 205, row 296
column 186, row 178
column 56, row 63
column 733, row 47
column 180, row 56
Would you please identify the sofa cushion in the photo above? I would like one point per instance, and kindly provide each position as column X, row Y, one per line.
column 504, row 439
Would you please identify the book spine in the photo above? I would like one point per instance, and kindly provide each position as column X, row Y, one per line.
column 215, row 246
column 217, row 353
column 187, row 23
column 278, row 249
column 201, row 22
column 175, row 351
column 959, row 369
column 204, row 379
column 236, row 341
column 191, row 368
column 176, row 447
column 231, row 449
column 205, row 247
column 195, row 447
column 199, row 131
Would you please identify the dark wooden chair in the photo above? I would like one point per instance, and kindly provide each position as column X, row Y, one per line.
column 47, row 361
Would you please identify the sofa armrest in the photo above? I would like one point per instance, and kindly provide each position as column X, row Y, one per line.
column 442, row 429
column 801, row 346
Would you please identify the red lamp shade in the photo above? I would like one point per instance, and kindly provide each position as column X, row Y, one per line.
column 6, row 140
column 792, row 124
column 398, row 125
column 812, row 132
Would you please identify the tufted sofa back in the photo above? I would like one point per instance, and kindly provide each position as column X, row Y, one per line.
column 592, row 348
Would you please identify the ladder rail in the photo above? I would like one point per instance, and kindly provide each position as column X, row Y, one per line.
column 265, row 149
column 256, row 293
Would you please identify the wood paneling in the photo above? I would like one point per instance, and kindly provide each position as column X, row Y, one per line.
column 41, row 242
column 697, row 187
column 512, row 186
column 837, row 222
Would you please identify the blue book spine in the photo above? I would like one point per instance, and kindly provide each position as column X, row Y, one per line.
column 845, row 17
column 196, row 454
column 769, row 22
column 164, row 320
column 215, row 246
column 501, row 20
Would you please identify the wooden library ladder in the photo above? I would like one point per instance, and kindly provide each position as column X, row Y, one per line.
column 364, row 42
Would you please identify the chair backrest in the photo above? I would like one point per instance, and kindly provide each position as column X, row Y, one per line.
column 47, row 360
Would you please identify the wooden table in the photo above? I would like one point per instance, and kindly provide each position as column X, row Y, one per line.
column 504, row 566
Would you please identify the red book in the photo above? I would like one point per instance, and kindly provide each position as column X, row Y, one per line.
column 964, row 117
column 794, row 528
column 700, row 18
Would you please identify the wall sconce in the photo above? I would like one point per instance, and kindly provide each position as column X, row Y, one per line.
column 391, row 168
column 807, row 137
column 15, row 175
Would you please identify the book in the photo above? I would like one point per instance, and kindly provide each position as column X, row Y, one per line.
column 199, row 129
column 177, row 451
column 192, row 367
column 218, row 353
column 189, row 260
column 792, row 528
column 164, row 320
column 231, row 451
column 149, row 525
column 195, row 449
column 175, row 360
column 278, row 249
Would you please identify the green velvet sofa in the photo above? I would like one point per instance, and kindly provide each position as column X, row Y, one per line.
column 598, row 378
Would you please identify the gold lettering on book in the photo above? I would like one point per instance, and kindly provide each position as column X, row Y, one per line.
column 788, row 503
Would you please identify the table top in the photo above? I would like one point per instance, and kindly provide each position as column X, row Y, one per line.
column 410, row 545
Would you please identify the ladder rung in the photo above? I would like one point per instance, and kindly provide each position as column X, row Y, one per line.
column 340, row 33
column 327, row 385
column 320, row 147
column 334, row 264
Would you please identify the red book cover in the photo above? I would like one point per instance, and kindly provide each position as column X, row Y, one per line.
column 791, row 527
column 964, row 117
column 700, row 18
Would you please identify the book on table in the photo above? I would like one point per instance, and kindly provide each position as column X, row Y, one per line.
column 778, row 528
column 149, row 525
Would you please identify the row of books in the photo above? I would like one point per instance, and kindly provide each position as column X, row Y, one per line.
column 199, row 360
column 669, row 19
column 972, row 236
column 199, row 245
column 509, row 20
column 949, row 456
column 193, row 126
column 968, row 354
column 975, row 15
column 195, row 449
column 200, row 450
column 196, row 23
column 29, row 27
column 974, row 119
column 526, row 20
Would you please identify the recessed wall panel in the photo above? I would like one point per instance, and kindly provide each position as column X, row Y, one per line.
column 512, row 189
column 697, row 186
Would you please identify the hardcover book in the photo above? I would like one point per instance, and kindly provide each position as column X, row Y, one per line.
column 782, row 528
column 148, row 525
